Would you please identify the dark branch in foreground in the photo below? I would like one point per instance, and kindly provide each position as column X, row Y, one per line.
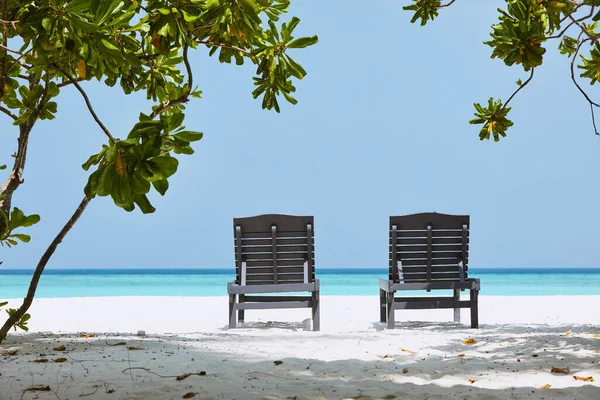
column 40, row 269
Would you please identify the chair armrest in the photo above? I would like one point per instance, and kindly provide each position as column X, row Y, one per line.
column 385, row 284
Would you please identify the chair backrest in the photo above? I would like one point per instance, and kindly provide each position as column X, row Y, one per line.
column 429, row 246
column 274, row 248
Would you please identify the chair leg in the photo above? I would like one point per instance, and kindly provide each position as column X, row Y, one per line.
column 382, row 305
column 316, row 311
column 232, row 309
column 242, row 299
column 456, row 297
column 390, row 311
column 474, row 309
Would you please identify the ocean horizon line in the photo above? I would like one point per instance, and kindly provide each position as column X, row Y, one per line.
column 326, row 271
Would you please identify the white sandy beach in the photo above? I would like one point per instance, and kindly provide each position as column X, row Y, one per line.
column 519, row 342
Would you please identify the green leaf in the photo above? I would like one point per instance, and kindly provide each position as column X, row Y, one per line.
column 161, row 186
column 23, row 238
column 188, row 136
column 303, row 42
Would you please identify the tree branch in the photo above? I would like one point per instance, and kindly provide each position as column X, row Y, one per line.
column 520, row 87
column 227, row 46
column 40, row 269
column 185, row 97
column 88, row 103
column 447, row 4
column 592, row 103
column 8, row 112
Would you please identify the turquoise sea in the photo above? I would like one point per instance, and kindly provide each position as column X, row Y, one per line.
column 213, row 282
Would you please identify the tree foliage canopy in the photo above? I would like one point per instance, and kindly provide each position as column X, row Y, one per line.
column 138, row 46
column 519, row 38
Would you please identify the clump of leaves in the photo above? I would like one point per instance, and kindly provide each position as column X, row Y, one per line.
column 22, row 323
column 17, row 219
column 426, row 10
column 493, row 118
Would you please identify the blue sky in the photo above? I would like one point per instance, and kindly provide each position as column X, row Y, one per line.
column 381, row 129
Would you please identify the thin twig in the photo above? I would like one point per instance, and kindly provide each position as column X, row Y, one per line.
column 520, row 87
column 227, row 46
column 447, row 4
column 88, row 103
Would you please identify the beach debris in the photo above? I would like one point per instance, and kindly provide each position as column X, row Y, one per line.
column 87, row 335
column 38, row 388
column 461, row 355
column 404, row 370
column 535, row 355
column 189, row 395
column 40, row 360
column 518, row 360
column 596, row 336
column 116, row 344
column 583, row 378
column 134, row 348
column 470, row 341
column 60, row 348
column 472, row 381
column 60, row 360
column 278, row 362
column 408, row 351
column 546, row 386
column 184, row 376
column 568, row 332
column 384, row 356
column 557, row 370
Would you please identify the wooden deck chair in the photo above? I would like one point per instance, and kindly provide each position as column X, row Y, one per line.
column 428, row 251
column 274, row 253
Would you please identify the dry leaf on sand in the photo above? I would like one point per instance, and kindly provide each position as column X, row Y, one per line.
column 472, row 381
column 278, row 362
column 38, row 388
column 385, row 356
column 134, row 348
column 568, row 332
column 546, row 386
column 596, row 336
column 583, row 378
column 557, row 370
column 470, row 341
column 60, row 360
column 60, row 348
column 189, row 395
column 409, row 351
column 87, row 335
column 461, row 355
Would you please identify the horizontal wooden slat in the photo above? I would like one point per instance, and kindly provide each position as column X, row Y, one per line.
column 265, row 306
column 423, row 241
column 280, row 271
column 434, row 276
column 279, row 234
column 263, row 223
column 425, row 304
column 270, row 299
column 280, row 256
column 434, row 233
column 434, row 269
column 440, row 261
column 281, row 278
column 435, row 247
column 280, row 263
column 267, row 242
column 269, row 249
column 437, row 220
column 451, row 255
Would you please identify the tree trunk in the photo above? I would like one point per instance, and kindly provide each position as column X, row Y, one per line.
column 40, row 269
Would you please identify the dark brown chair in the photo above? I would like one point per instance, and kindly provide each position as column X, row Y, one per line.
column 274, row 253
column 428, row 251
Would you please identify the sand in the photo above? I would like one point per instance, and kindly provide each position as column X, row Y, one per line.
column 519, row 341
